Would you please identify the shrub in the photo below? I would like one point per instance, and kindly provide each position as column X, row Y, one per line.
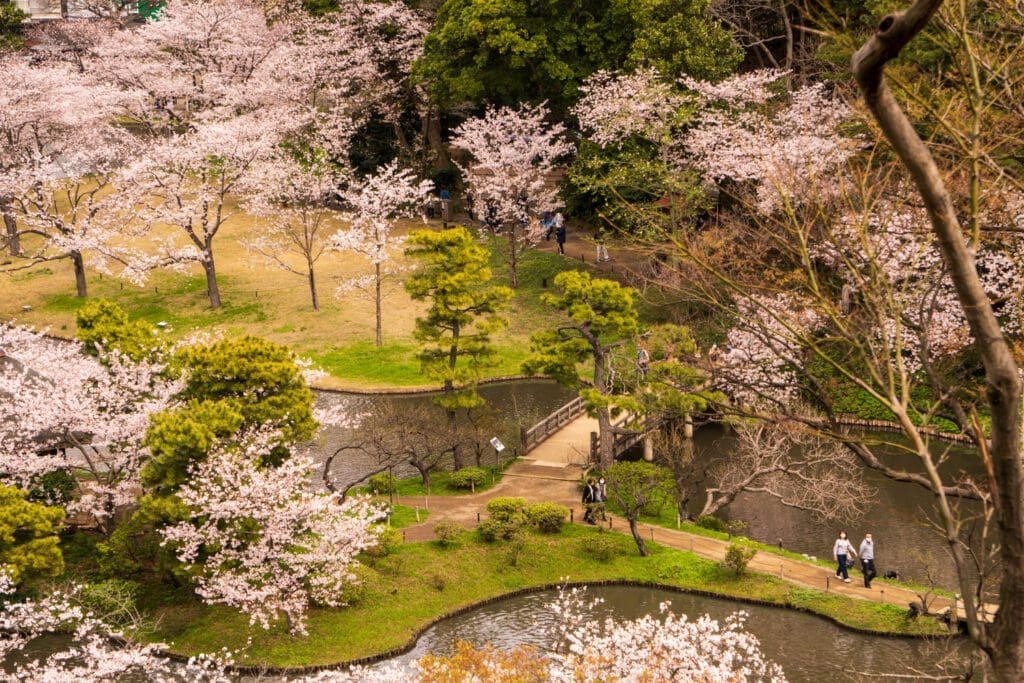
column 737, row 557
column 602, row 547
column 516, row 545
column 359, row 588
column 388, row 542
column 439, row 580
column 383, row 483
column 113, row 600
column 447, row 533
column 491, row 530
column 713, row 523
column 547, row 517
column 103, row 324
column 735, row 527
column 507, row 509
column 468, row 478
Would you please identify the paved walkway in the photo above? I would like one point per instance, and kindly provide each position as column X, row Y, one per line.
column 552, row 473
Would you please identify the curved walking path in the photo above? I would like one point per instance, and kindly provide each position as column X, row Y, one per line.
column 552, row 473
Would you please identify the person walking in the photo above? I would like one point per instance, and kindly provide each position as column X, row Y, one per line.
column 560, row 233
column 589, row 501
column 602, row 498
column 446, row 205
column 602, row 249
column 867, row 559
column 841, row 550
column 643, row 360
column 547, row 221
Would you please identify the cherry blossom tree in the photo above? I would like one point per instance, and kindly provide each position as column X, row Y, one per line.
column 262, row 541
column 98, row 651
column 513, row 155
column 67, row 411
column 292, row 197
column 616, row 106
column 59, row 152
column 221, row 93
column 186, row 180
column 740, row 137
column 377, row 203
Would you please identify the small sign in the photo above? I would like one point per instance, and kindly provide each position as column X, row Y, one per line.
column 498, row 445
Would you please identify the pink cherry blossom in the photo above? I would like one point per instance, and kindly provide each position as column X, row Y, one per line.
column 376, row 204
column 66, row 410
column 262, row 541
column 513, row 153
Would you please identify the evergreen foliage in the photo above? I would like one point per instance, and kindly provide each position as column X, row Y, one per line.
column 464, row 310
column 29, row 547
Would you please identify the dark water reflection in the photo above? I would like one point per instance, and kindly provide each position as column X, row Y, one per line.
column 808, row 648
column 514, row 403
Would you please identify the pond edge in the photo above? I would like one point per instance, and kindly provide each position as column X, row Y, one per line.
column 415, row 637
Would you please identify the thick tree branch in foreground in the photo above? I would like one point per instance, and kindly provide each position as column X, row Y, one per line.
column 1005, row 644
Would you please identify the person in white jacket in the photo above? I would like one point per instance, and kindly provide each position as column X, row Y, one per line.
column 841, row 550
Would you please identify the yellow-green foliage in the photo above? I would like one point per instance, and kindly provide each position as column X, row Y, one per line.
column 103, row 324
column 29, row 547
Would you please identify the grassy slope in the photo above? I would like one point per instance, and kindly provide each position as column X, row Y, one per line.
column 267, row 301
column 422, row 581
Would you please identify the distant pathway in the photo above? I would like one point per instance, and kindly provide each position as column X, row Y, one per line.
column 552, row 473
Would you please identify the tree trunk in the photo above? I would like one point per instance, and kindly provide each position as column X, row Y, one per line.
column 380, row 325
column 424, row 475
column 435, row 140
column 458, row 457
column 512, row 254
column 211, row 279
column 79, row 265
column 637, row 537
column 11, row 228
column 312, row 289
column 606, row 446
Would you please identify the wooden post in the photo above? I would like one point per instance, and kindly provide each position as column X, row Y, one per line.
column 827, row 583
column 572, row 514
column 522, row 436
column 688, row 426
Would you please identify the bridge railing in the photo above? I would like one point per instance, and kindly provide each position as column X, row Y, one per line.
column 624, row 438
column 532, row 437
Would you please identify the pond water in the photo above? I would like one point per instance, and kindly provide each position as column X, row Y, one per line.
column 808, row 648
column 521, row 402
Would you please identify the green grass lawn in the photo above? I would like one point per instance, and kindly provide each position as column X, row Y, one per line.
column 422, row 581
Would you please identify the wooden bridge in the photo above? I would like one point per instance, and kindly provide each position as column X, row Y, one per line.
column 570, row 436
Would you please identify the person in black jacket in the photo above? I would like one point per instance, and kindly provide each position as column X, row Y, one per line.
column 589, row 501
